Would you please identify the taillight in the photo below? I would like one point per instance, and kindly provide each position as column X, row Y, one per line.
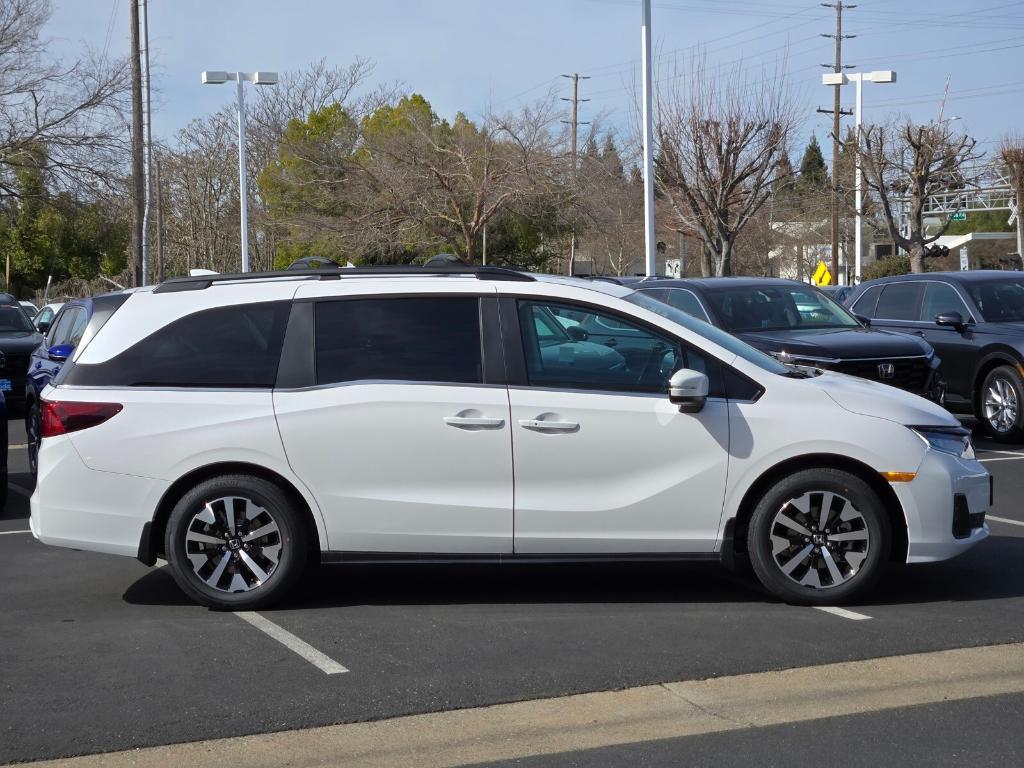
column 59, row 418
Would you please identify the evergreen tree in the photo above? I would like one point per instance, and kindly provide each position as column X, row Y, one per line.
column 814, row 175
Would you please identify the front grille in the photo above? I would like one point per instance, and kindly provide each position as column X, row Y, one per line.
column 910, row 373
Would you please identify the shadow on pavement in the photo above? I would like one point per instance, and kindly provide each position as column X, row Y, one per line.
column 990, row 572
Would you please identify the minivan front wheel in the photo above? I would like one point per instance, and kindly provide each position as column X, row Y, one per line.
column 236, row 542
column 819, row 537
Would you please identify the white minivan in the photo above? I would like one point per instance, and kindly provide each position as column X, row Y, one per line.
column 242, row 426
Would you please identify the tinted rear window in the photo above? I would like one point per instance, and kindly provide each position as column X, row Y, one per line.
column 899, row 301
column 399, row 339
column 234, row 346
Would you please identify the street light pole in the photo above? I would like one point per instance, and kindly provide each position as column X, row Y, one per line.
column 256, row 78
column 858, row 78
column 243, row 176
column 649, row 233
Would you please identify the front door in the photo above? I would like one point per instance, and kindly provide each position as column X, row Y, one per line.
column 958, row 349
column 403, row 442
column 604, row 463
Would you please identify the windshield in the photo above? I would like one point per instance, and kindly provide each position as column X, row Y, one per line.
column 1000, row 301
column 777, row 308
column 709, row 332
column 14, row 320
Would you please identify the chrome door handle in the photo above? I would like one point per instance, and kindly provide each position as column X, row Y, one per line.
column 474, row 422
column 541, row 425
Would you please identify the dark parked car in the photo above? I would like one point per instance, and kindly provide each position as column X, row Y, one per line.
column 18, row 337
column 49, row 354
column 799, row 324
column 975, row 322
column 838, row 293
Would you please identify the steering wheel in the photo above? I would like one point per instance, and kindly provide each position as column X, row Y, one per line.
column 653, row 363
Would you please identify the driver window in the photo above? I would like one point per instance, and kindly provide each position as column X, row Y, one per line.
column 621, row 356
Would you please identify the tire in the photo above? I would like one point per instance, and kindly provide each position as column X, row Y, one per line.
column 1001, row 404
column 792, row 559
column 33, row 430
column 236, row 574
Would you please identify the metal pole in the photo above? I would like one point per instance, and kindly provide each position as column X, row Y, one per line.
column 485, row 245
column 149, row 146
column 1020, row 230
column 836, row 113
column 138, row 185
column 858, row 184
column 649, row 233
column 243, row 182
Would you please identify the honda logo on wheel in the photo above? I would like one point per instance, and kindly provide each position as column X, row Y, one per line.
column 886, row 370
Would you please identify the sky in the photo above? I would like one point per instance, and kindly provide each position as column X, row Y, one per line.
column 476, row 55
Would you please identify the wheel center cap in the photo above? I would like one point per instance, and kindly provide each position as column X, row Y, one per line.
column 234, row 544
column 819, row 539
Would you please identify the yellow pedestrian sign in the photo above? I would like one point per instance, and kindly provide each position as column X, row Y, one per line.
column 821, row 275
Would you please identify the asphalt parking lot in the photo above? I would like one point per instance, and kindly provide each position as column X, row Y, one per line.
column 100, row 653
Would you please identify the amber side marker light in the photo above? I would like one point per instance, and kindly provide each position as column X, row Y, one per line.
column 899, row 477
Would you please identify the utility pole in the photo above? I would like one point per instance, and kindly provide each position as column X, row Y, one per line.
column 837, row 112
column 138, row 182
column 159, row 227
column 575, row 124
column 148, row 205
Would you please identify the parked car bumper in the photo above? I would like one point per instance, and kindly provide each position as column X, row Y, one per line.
column 944, row 506
column 74, row 506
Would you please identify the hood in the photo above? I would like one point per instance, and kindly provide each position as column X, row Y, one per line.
column 13, row 343
column 869, row 398
column 843, row 343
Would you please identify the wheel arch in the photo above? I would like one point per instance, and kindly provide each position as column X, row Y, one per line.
column 736, row 535
column 152, row 544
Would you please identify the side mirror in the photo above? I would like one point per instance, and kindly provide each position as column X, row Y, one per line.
column 576, row 333
column 58, row 353
column 952, row 319
column 688, row 389
column 43, row 326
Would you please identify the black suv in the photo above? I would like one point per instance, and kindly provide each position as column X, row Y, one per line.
column 975, row 321
column 799, row 324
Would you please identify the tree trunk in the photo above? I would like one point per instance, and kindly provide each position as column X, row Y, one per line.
column 707, row 261
column 917, row 259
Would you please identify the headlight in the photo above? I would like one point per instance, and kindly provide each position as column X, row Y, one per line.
column 952, row 440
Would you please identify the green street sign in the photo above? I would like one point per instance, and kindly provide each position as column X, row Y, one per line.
column 959, row 216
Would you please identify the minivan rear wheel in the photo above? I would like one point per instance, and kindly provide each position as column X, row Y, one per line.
column 236, row 542
column 819, row 537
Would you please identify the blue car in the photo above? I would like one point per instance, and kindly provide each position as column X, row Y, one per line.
column 63, row 335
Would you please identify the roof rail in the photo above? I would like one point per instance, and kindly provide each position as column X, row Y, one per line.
column 201, row 282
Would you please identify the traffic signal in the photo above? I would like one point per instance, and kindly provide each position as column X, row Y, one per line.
column 936, row 252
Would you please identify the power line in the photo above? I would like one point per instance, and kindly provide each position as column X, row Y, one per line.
column 575, row 124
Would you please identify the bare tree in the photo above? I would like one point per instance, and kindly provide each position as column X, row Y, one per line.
column 69, row 115
column 451, row 180
column 903, row 165
column 721, row 139
column 1011, row 152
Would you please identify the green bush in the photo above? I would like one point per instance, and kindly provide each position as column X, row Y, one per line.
column 887, row 266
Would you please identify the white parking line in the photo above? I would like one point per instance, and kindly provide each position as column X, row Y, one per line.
column 18, row 445
column 993, row 450
column 842, row 613
column 324, row 663
column 1001, row 458
column 8, row 533
column 1004, row 520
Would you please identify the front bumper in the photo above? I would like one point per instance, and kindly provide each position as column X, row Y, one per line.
column 946, row 491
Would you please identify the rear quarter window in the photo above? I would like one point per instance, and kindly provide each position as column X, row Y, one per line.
column 237, row 346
